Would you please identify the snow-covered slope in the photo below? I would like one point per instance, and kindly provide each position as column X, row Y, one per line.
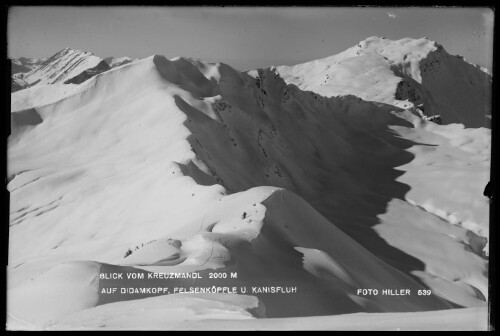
column 67, row 66
column 39, row 95
column 184, row 166
column 180, row 312
column 405, row 73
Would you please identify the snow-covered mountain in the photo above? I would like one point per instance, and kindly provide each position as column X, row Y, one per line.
column 186, row 166
column 67, row 66
column 404, row 73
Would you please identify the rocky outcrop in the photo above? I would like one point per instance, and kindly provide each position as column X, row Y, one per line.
column 114, row 62
column 18, row 83
column 89, row 73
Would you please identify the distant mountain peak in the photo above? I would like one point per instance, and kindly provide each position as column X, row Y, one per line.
column 66, row 66
column 405, row 73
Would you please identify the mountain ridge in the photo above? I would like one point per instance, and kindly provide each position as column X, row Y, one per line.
column 401, row 73
column 217, row 169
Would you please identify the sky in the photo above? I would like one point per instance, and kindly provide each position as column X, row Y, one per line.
column 243, row 37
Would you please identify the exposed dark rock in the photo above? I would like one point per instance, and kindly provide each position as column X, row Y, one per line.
column 82, row 77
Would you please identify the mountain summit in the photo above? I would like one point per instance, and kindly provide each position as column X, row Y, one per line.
column 67, row 66
column 405, row 73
